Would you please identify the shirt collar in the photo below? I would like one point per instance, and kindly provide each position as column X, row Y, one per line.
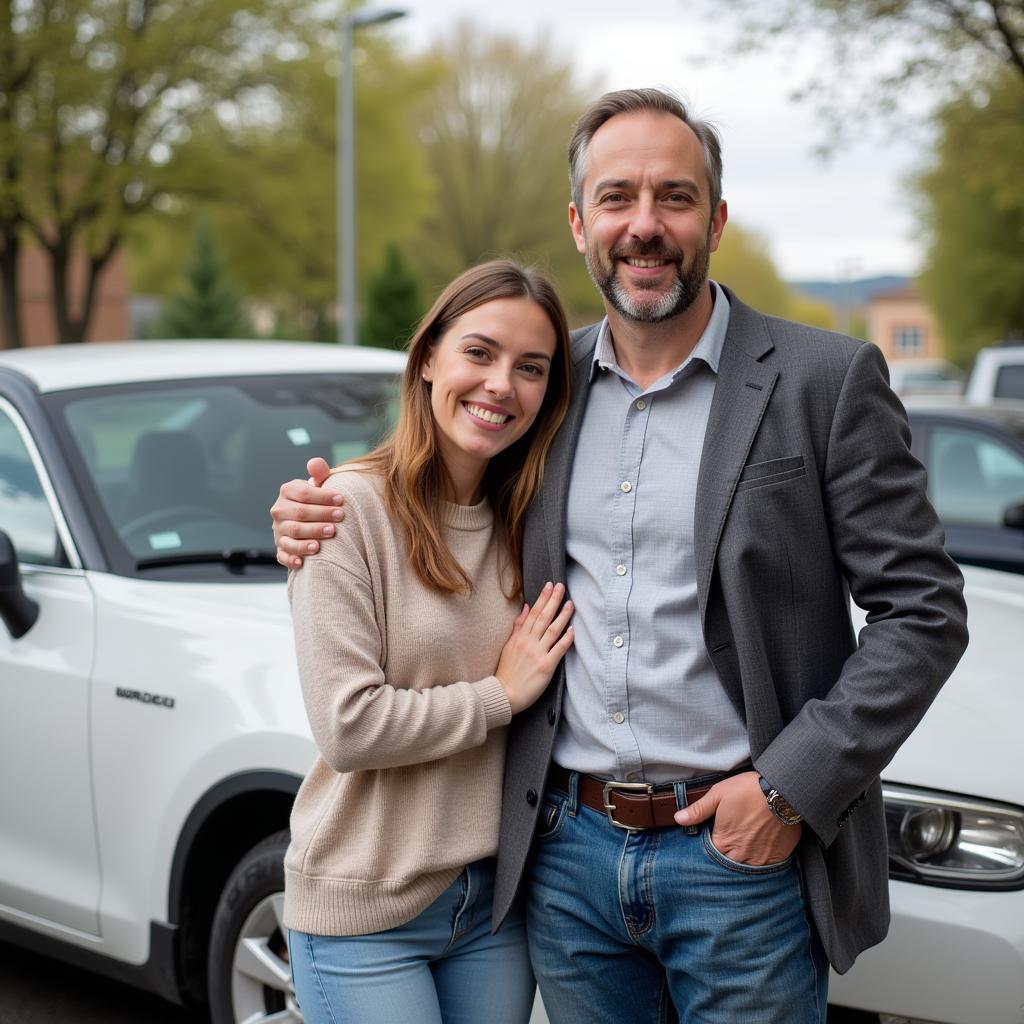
column 708, row 347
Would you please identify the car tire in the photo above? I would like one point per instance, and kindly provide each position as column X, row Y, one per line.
column 247, row 968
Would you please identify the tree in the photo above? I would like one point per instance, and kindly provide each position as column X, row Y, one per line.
column 274, row 207
column 496, row 133
column 97, row 97
column 973, row 211
column 744, row 263
column 210, row 306
column 394, row 303
column 879, row 52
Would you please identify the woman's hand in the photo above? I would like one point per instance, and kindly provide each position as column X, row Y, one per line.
column 540, row 637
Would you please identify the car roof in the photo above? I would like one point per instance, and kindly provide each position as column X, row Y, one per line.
column 63, row 367
column 1002, row 411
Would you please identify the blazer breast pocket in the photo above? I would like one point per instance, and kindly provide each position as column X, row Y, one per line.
column 774, row 471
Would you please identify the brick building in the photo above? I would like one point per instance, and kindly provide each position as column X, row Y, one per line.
column 111, row 320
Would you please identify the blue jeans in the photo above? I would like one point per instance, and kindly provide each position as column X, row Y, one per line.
column 443, row 967
column 657, row 926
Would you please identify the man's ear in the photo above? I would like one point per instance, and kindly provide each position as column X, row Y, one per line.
column 718, row 219
column 576, row 226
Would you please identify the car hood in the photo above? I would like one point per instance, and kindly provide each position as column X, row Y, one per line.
column 969, row 740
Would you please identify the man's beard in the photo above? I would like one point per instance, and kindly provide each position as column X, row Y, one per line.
column 682, row 292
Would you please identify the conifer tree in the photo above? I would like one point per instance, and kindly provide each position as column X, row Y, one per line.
column 210, row 305
column 394, row 303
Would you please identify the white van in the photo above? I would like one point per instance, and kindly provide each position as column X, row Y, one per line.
column 998, row 372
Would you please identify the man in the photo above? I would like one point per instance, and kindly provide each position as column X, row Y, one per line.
column 723, row 483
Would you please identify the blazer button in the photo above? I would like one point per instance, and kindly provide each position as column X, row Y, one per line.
column 531, row 797
column 551, row 716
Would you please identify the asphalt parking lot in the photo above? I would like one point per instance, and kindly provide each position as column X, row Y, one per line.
column 37, row 990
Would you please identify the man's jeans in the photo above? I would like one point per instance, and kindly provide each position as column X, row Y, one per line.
column 443, row 967
column 657, row 926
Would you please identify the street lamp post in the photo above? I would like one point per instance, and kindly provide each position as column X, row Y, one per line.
column 346, row 159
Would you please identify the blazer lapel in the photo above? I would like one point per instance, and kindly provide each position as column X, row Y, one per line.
column 742, row 391
column 559, row 462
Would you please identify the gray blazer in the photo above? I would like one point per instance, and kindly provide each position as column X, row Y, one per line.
column 807, row 493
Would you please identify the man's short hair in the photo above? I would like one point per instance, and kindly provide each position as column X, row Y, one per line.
column 628, row 101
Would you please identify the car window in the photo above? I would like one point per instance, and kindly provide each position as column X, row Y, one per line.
column 973, row 478
column 1010, row 382
column 24, row 511
column 194, row 466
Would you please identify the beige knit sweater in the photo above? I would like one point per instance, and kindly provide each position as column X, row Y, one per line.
column 407, row 715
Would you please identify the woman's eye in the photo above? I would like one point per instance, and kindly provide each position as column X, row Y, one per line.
column 477, row 353
column 533, row 369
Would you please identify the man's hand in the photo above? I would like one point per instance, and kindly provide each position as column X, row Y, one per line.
column 745, row 828
column 305, row 511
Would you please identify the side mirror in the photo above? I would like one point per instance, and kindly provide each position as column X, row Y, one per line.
column 1013, row 517
column 17, row 609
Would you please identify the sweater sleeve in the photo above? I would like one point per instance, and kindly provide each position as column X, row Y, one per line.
column 359, row 719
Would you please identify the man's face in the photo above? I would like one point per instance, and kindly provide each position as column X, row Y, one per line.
column 646, row 228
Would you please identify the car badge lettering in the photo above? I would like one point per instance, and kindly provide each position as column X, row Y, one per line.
column 145, row 698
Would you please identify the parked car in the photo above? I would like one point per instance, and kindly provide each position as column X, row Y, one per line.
column 998, row 372
column 152, row 734
column 925, row 377
column 975, row 460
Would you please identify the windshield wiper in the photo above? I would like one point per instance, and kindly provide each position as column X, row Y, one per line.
column 236, row 559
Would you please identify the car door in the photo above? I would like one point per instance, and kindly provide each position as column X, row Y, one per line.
column 49, row 863
column 974, row 476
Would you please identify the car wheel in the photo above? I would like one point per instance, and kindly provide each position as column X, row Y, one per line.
column 248, row 972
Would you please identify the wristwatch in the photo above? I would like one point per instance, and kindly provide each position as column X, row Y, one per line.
column 779, row 805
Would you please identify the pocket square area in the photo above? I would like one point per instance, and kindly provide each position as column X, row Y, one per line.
column 773, row 471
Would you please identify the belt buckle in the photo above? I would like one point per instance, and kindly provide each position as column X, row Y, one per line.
column 609, row 808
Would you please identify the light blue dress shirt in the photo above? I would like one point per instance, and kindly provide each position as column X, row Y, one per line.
column 642, row 699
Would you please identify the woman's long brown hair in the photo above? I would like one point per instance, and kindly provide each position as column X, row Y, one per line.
column 416, row 482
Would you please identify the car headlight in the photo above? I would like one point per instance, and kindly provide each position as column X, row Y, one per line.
column 941, row 839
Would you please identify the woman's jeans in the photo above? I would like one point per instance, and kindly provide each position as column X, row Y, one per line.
column 443, row 967
column 657, row 926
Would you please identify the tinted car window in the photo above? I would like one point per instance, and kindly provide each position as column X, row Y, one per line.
column 973, row 478
column 24, row 512
column 1010, row 382
column 190, row 467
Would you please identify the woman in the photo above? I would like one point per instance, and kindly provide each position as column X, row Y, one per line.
column 414, row 652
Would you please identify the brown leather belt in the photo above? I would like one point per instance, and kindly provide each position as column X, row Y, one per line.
column 632, row 805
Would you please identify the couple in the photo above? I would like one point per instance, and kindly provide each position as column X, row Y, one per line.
column 693, row 807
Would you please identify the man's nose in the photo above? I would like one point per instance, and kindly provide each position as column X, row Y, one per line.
column 645, row 223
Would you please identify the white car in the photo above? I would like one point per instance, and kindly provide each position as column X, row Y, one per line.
column 997, row 372
column 152, row 733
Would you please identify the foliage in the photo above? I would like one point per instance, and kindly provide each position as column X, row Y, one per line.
column 210, row 306
column 744, row 263
column 97, row 99
column 973, row 209
column 881, row 53
column 274, row 205
column 496, row 132
column 394, row 303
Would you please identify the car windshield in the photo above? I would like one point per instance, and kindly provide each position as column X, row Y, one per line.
column 186, row 471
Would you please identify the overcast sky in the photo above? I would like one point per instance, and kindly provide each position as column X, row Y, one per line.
column 851, row 216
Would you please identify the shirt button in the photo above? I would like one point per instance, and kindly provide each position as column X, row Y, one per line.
column 620, row 570
column 633, row 777
column 625, row 487
column 618, row 641
column 618, row 718
column 641, row 404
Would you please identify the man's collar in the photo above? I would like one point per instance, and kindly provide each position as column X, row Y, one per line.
column 708, row 347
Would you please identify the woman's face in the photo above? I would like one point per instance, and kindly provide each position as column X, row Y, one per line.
column 489, row 373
